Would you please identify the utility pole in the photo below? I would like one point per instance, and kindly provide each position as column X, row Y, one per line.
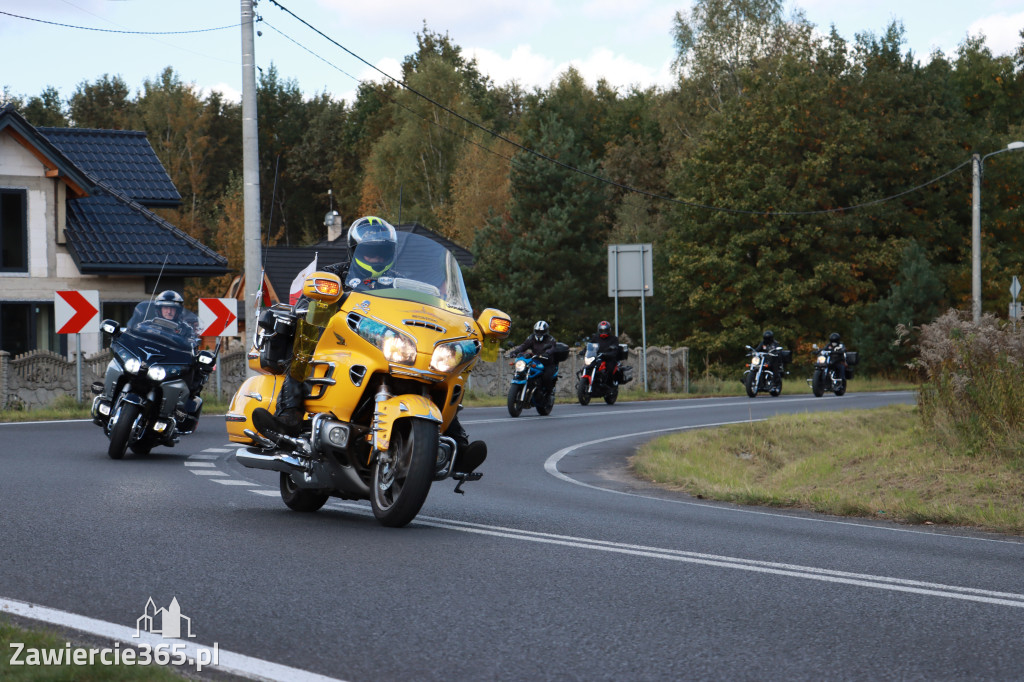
column 250, row 176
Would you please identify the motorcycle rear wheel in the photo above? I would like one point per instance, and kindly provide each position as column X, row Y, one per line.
column 582, row 392
column 818, row 383
column 776, row 390
column 300, row 499
column 515, row 402
column 402, row 480
column 612, row 395
column 750, row 382
column 839, row 388
column 127, row 414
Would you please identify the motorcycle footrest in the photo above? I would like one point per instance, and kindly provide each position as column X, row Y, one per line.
column 462, row 477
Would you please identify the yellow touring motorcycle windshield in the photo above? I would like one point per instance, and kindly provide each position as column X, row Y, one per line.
column 423, row 271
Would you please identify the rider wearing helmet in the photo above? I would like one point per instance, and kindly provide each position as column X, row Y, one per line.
column 768, row 343
column 607, row 343
column 167, row 305
column 540, row 343
column 834, row 341
column 372, row 245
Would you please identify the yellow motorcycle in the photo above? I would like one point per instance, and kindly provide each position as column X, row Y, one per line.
column 386, row 363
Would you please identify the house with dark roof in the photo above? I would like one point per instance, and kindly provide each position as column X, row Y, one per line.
column 76, row 214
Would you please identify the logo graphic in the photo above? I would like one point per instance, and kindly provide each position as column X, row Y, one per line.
column 164, row 622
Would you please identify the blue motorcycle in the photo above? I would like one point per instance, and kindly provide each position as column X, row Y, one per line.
column 526, row 390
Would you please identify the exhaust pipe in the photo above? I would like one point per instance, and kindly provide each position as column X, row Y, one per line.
column 281, row 462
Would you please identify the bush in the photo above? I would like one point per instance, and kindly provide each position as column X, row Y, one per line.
column 972, row 378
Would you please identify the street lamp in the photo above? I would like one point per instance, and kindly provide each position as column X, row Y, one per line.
column 977, row 163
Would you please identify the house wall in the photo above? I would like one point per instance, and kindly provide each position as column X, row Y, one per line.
column 51, row 267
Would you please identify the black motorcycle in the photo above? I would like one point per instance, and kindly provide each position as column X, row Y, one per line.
column 526, row 390
column 144, row 400
column 765, row 371
column 832, row 368
column 601, row 373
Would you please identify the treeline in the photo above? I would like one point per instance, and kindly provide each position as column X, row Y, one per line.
column 789, row 180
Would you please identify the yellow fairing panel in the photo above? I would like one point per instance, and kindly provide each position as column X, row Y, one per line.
column 258, row 391
column 390, row 410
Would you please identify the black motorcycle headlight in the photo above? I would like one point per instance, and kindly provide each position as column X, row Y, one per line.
column 822, row 360
column 587, row 361
column 157, row 373
column 755, row 361
column 520, row 365
column 132, row 365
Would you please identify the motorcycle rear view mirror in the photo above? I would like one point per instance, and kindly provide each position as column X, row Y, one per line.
column 109, row 327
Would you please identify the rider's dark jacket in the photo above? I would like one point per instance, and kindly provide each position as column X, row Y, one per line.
column 609, row 343
column 545, row 346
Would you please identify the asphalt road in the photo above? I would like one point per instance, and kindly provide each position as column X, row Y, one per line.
column 556, row 565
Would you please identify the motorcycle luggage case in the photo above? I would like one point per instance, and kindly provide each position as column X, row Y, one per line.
column 851, row 357
column 627, row 373
column 276, row 348
column 785, row 355
column 623, row 351
column 561, row 352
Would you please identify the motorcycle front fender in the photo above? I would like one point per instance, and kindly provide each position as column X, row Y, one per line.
column 390, row 410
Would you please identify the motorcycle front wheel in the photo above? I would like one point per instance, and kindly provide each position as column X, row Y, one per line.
column 818, row 383
column 402, row 480
column 750, row 382
column 515, row 400
column 300, row 499
column 121, row 432
column 583, row 392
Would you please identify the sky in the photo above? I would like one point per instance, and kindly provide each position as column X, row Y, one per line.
column 530, row 42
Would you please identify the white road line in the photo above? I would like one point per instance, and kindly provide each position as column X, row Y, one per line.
column 217, row 450
column 203, row 457
column 208, row 472
column 231, row 481
column 200, row 464
column 230, row 662
column 551, row 466
column 720, row 561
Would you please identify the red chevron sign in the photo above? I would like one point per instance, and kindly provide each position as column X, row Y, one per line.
column 77, row 312
column 218, row 317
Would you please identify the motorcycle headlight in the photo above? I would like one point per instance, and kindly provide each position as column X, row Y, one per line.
column 448, row 356
column 397, row 347
column 156, row 373
column 755, row 361
column 821, row 360
column 132, row 365
column 587, row 361
column 520, row 365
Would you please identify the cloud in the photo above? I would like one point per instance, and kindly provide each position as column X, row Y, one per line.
column 1002, row 31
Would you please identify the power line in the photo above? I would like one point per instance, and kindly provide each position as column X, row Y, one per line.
column 593, row 176
column 111, row 30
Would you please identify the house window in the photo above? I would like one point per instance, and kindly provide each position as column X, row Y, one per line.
column 13, row 231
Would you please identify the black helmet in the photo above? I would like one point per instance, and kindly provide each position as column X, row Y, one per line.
column 540, row 329
column 169, row 299
column 769, row 336
column 604, row 329
column 834, row 337
column 371, row 245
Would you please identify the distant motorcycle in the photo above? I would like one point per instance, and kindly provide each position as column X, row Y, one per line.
column 525, row 391
column 832, row 367
column 764, row 371
column 601, row 373
column 144, row 398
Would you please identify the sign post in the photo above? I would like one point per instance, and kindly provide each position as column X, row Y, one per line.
column 1015, row 305
column 631, row 273
column 77, row 312
column 218, row 317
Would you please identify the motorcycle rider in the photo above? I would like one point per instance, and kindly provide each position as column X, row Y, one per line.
column 767, row 345
column 837, row 356
column 168, row 305
column 542, row 344
column 607, row 343
column 372, row 243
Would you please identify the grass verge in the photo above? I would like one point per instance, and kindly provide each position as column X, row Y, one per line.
column 878, row 463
